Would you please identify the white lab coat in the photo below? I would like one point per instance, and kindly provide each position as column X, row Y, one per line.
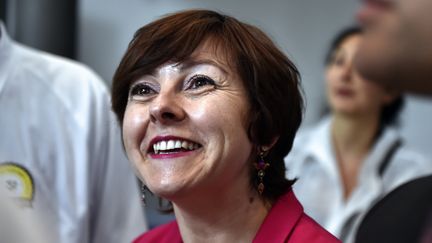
column 60, row 149
column 17, row 225
column 319, row 186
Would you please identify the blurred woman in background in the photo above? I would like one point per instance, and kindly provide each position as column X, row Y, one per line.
column 353, row 156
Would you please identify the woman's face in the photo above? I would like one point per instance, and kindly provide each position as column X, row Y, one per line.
column 347, row 91
column 184, row 127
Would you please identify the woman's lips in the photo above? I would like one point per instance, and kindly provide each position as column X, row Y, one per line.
column 344, row 92
column 172, row 155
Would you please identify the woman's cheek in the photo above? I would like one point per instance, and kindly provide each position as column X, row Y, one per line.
column 134, row 130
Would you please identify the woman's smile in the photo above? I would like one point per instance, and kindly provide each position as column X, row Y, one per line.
column 165, row 147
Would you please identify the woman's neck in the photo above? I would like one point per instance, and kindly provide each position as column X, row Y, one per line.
column 221, row 215
column 352, row 137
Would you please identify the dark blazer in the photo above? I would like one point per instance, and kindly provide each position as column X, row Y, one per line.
column 402, row 216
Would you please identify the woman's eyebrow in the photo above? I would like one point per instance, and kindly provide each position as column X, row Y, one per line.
column 189, row 63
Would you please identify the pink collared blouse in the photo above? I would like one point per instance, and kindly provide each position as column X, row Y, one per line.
column 286, row 222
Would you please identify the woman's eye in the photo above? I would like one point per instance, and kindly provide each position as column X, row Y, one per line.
column 338, row 61
column 141, row 90
column 199, row 81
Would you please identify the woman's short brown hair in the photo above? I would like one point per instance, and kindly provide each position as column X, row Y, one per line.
column 270, row 78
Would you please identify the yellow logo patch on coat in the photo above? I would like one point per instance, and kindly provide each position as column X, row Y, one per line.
column 18, row 183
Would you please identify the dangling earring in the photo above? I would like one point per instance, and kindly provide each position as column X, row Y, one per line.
column 143, row 190
column 261, row 166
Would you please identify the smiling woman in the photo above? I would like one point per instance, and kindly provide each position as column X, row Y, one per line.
column 209, row 107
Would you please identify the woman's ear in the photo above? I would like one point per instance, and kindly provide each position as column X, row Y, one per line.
column 266, row 148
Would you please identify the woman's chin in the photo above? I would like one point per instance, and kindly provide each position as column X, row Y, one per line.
column 168, row 192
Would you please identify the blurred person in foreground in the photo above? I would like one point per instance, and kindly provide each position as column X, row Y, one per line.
column 209, row 107
column 397, row 51
column 60, row 154
column 355, row 155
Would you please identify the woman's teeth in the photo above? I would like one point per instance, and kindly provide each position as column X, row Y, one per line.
column 164, row 146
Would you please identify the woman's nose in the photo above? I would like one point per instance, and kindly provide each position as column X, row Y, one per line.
column 347, row 72
column 166, row 109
